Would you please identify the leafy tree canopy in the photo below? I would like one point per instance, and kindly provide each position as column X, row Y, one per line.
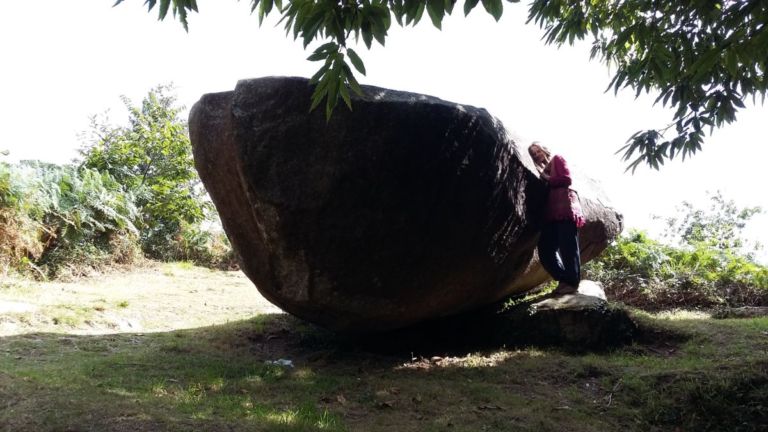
column 152, row 159
column 701, row 57
column 719, row 227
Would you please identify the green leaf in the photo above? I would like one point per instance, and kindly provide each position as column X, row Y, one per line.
column 328, row 47
column 704, row 64
column 320, row 91
column 365, row 29
column 411, row 8
column 469, row 5
column 324, row 52
column 448, row 6
column 379, row 27
column 352, row 81
column 317, row 56
column 419, row 12
column 356, row 61
column 332, row 98
column 344, row 92
column 494, row 7
column 164, row 4
column 311, row 26
column 379, row 34
column 436, row 12
column 316, row 101
column 399, row 19
column 264, row 9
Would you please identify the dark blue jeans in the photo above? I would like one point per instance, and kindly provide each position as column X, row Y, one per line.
column 559, row 251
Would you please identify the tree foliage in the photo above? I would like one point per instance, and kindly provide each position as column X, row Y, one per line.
column 719, row 227
column 702, row 57
column 333, row 23
column 708, row 261
column 135, row 187
column 152, row 159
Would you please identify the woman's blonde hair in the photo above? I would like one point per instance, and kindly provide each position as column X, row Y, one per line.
column 544, row 149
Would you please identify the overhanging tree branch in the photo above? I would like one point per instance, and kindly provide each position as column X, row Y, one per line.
column 702, row 57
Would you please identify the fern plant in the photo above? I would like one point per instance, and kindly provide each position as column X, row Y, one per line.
column 63, row 217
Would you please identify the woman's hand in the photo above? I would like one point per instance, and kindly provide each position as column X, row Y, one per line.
column 544, row 176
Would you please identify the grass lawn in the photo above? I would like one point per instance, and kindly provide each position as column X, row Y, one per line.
column 179, row 348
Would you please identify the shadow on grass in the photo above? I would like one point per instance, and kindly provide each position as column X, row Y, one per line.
column 226, row 377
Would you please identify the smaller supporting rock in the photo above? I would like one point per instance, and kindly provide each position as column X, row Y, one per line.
column 577, row 322
column 583, row 320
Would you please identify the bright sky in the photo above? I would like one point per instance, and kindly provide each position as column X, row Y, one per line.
column 62, row 62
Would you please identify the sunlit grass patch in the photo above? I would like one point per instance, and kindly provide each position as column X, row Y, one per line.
column 681, row 314
column 180, row 267
column 531, row 296
column 488, row 359
column 300, row 418
column 15, row 286
column 70, row 315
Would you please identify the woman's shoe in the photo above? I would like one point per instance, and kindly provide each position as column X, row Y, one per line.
column 564, row 288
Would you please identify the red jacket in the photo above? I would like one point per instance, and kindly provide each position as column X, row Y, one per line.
column 562, row 202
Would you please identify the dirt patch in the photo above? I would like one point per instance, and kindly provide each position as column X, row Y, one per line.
column 159, row 297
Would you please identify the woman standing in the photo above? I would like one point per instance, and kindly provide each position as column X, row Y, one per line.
column 559, row 241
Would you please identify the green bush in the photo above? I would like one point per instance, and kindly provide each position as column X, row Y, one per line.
column 136, row 186
column 707, row 263
column 646, row 273
column 63, row 220
column 152, row 159
column 19, row 231
column 192, row 243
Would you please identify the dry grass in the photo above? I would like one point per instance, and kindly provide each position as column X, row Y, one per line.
column 159, row 297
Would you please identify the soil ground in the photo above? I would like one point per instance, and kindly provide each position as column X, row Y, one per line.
column 173, row 347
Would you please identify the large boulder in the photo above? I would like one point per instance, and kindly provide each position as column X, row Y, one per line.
column 406, row 208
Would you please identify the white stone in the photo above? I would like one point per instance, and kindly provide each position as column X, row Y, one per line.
column 592, row 289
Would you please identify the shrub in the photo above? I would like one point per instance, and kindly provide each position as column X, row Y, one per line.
column 152, row 159
column 135, row 186
column 192, row 243
column 19, row 232
column 646, row 273
column 63, row 220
